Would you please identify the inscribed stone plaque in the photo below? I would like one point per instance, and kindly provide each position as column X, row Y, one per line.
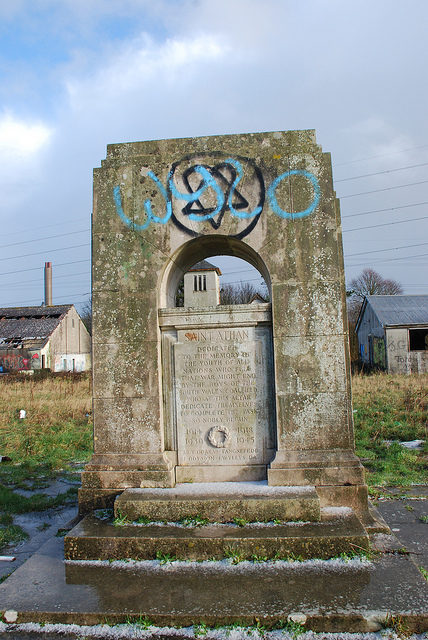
column 221, row 396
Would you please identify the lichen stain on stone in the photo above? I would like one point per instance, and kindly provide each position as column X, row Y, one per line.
column 302, row 259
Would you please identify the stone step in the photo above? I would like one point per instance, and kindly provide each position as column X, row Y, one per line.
column 327, row 597
column 339, row 531
column 221, row 502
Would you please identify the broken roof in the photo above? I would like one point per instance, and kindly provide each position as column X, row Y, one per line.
column 398, row 310
column 29, row 323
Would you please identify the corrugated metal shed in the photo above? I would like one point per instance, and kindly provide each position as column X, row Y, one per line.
column 400, row 310
column 19, row 324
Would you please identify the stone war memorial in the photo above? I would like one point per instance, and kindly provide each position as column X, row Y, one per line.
column 221, row 411
column 210, row 393
column 222, row 433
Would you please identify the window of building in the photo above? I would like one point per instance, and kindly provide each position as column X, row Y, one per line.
column 418, row 339
column 199, row 283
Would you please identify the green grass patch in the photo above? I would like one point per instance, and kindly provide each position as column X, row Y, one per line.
column 121, row 520
column 390, row 407
column 11, row 534
column 165, row 558
column 194, row 521
column 58, row 426
column 12, row 502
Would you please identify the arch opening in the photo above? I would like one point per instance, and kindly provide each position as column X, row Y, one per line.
column 200, row 249
column 218, row 380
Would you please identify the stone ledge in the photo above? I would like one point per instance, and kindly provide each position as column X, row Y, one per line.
column 94, row 539
column 334, row 596
column 221, row 502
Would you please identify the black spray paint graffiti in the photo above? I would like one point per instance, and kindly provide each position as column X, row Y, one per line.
column 224, row 179
column 211, row 190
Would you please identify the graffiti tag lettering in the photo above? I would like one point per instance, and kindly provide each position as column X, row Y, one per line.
column 14, row 362
column 233, row 185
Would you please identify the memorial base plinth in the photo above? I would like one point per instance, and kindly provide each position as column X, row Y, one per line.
column 108, row 475
column 220, row 473
column 319, row 468
column 221, row 502
column 95, row 539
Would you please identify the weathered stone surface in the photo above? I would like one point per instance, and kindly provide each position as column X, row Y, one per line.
column 333, row 596
column 225, row 473
column 218, row 377
column 93, row 539
column 313, row 308
column 159, row 208
column 320, row 468
column 221, row 502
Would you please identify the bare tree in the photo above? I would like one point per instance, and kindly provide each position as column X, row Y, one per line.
column 371, row 283
column 241, row 293
column 179, row 294
column 86, row 314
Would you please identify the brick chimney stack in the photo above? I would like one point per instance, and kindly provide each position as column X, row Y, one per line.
column 48, row 284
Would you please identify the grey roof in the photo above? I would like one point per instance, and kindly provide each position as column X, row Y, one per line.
column 204, row 265
column 400, row 310
column 29, row 323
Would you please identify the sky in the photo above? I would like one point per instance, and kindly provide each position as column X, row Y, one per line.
column 76, row 75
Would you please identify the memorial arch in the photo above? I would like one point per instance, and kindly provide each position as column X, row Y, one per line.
column 159, row 207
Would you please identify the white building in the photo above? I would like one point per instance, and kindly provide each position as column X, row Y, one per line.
column 47, row 337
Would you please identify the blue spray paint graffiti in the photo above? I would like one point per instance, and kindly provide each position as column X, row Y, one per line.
column 273, row 202
column 211, row 178
column 147, row 206
column 208, row 181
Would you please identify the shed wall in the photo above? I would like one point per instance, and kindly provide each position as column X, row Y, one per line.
column 369, row 327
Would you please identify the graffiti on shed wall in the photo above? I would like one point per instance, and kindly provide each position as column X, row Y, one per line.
column 379, row 352
column 211, row 190
column 16, row 360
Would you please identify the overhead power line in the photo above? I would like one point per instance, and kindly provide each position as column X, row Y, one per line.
column 382, row 155
column 405, row 246
column 384, row 224
column 38, row 253
column 48, row 226
column 60, row 264
column 404, row 206
column 60, row 235
column 56, row 277
column 32, row 300
column 418, row 255
column 398, row 186
column 378, row 173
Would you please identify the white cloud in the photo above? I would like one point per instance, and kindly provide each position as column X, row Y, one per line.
column 144, row 61
column 380, row 142
column 20, row 139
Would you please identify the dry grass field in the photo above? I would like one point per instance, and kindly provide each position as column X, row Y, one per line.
column 58, row 426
